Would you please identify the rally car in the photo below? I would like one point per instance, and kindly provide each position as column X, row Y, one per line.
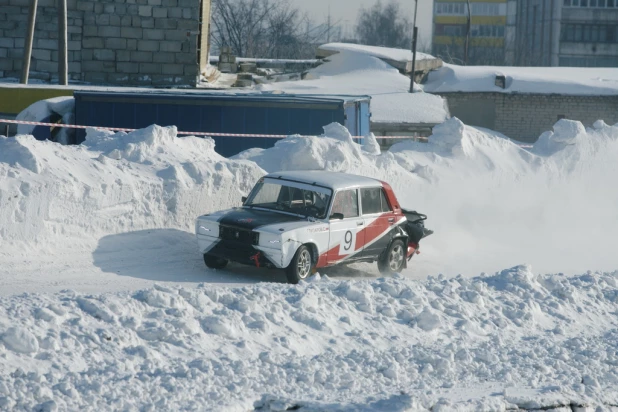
column 304, row 220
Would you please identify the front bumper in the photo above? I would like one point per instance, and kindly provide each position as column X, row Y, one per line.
column 240, row 252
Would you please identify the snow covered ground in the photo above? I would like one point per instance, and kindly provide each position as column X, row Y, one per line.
column 106, row 304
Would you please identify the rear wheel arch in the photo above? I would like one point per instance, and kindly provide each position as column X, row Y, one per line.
column 384, row 261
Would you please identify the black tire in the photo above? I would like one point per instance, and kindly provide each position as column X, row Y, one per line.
column 393, row 259
column 214, row 262
column 301, row 266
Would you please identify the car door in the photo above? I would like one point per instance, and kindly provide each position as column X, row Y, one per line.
column 346, row 234
column 379, row 221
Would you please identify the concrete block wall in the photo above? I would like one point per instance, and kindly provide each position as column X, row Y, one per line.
column 525, row 116
column 117, row 42
column 44, row 61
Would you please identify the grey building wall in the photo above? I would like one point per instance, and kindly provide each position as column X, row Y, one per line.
column 560, row 33
column 577, row 51
column 120, row 42
column 525, row 116
column 533, row 32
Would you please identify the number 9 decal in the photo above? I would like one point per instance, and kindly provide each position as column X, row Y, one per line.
column 348, row 243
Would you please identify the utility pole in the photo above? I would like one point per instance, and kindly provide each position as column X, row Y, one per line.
column 25, row 66
column 62, row 43
column 467, row 35
column 414, row 37
column 328, row 30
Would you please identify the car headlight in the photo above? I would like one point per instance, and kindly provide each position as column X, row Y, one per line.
column 207, row 229
column 270, row 240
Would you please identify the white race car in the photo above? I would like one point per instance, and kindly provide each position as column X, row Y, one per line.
column 304, row 220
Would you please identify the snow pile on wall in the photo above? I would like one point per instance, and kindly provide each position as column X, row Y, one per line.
column 514, row 339
column 149, row 178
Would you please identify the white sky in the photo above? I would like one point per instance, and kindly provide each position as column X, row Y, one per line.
column 347, row 12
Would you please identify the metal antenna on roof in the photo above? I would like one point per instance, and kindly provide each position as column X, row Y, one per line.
column 414, row 36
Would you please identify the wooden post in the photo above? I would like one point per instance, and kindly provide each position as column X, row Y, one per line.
column 25, row 67
column 62, row 43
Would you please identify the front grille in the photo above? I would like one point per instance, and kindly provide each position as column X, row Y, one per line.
column 243, row 236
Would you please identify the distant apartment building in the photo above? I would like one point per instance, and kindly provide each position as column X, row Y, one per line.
column 487, row 31
column 578, row 33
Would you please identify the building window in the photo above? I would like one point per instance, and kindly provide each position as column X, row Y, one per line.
column 597, row 4
column 589, row 33
column 589, row 61
column 477, row 9
column 481, row 30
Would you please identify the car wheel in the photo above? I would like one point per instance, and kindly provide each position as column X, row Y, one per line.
column 393, row 259
column 214, row 262
column 301, row 265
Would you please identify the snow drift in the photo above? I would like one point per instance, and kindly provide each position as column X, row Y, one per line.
column 511, row 340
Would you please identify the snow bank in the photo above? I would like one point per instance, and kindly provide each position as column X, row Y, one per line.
column 358, row 73
column 486, row 196
column 149, row 178
column 544, row 80
column 513, row 339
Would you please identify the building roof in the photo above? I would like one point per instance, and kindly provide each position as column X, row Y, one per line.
column 571, row 81
column 334, row 180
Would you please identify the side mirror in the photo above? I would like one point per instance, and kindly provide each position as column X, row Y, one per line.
column 336, row 216
column 244, row 199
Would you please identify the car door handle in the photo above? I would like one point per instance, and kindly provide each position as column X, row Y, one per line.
column 360, row 223
column 391, row 219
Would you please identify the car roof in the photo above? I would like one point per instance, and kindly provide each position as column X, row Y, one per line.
column 333, row 180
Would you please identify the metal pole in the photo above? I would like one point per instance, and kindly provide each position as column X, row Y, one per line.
column 62, row 43
column 467, row 35
column 25, row 67
column 414, row 36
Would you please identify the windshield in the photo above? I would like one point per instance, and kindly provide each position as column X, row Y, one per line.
column 300, row 199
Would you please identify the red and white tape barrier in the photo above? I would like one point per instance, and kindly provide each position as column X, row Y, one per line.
column 121, row 129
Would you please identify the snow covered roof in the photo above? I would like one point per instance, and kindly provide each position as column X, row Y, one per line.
column 354, row 73
column 543, row 80
column 334, row 180
column 388, row 53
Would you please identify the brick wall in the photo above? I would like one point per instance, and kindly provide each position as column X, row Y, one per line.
column 525, row 116
column 120, row 42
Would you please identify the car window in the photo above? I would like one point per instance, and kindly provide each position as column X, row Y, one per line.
column 374, row 201
column 346, row 203
column 299, row 200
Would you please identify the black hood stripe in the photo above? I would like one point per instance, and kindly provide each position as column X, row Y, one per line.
column 247, row 218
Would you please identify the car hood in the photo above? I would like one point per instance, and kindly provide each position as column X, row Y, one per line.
column 248, row 218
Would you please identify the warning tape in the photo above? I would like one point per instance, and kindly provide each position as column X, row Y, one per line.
column 121, row 129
